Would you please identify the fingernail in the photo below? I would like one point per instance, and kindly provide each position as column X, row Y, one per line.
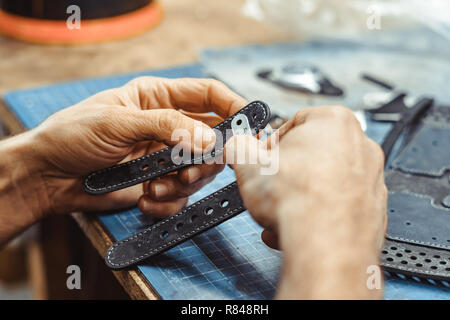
column 193, row 174
column 144, row 205
column 160, row 190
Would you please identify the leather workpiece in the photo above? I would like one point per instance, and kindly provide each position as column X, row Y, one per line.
column 418, row 235
column 428, row 153
column 412, row 218
column 408, row 117
column 194, row 219
column 414, row 260
column 159, row 163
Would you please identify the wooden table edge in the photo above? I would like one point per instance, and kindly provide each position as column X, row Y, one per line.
column 132, row 280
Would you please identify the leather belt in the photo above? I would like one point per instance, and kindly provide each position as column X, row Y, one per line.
column 194, row 219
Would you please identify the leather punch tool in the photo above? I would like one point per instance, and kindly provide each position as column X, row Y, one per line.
column 195, row 218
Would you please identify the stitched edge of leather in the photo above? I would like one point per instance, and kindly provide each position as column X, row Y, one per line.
column 418, row 272
column 428, row 244
column 143, row 177
column 397, row 268
column 397, row 163
column 181, row 237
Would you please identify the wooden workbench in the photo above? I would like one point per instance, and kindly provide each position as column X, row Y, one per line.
column 188, row 26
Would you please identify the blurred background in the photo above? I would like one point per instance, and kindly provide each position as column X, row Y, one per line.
column 33, row 266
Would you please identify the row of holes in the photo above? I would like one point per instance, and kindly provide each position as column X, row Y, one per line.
column 208, row 211
column 409, row 251
column 239, row 121
column 409, row 224
column 417, row 264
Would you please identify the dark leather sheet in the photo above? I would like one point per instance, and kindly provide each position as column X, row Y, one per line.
column 418, row 235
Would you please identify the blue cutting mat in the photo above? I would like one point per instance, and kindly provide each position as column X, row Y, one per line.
column 227, row 262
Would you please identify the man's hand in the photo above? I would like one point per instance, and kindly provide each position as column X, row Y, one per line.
column 45, row 166
column 325, row 207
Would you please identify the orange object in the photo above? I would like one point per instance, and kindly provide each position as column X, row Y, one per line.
column 91, row 31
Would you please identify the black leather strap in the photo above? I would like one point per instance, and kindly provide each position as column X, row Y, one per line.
column 160, row 162
column 416, row 261
column 194, row 219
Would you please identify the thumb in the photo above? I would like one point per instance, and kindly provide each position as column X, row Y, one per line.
column 168, row 126
column 245, row 154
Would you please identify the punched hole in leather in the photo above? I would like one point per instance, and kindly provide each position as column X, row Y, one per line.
column 159, row 163
column 418, row 179
column 192, row 220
